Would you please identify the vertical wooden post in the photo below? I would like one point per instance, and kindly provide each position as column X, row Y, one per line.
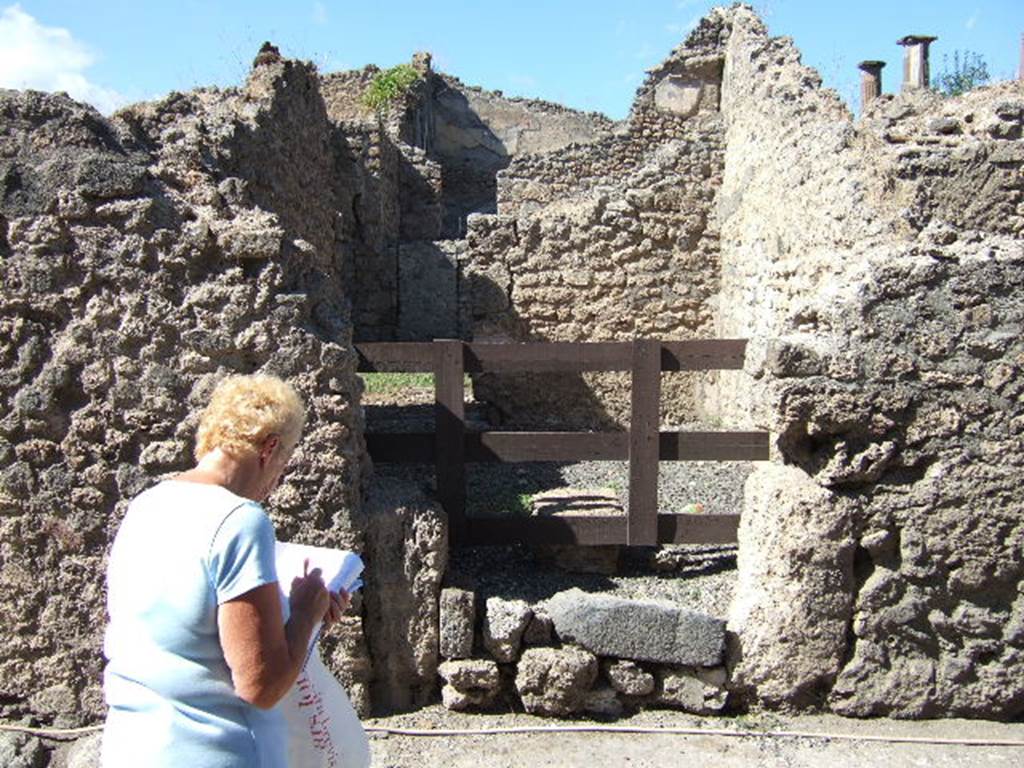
column 642, row 525
column 449, row 408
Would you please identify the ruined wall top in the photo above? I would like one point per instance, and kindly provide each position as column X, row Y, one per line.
column 144, row 257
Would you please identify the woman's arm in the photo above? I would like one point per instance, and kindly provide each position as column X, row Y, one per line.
column 265, row 655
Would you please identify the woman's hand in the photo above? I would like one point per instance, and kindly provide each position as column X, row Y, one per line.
column 340, row 601
column 309, row 596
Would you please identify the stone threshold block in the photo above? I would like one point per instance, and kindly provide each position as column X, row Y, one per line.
column 644, row 630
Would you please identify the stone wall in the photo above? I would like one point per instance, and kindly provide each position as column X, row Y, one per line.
column 142, row 258
column 612, row 240
column 478, row 133
column 877, row 268
column 578, row 653
column 418, row 170
column 369, row 171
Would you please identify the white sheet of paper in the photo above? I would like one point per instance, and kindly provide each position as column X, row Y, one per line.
column 339, row 567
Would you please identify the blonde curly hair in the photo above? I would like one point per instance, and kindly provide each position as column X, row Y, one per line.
column 245, row 410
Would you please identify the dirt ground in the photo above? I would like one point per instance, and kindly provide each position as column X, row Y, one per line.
column 641, row 750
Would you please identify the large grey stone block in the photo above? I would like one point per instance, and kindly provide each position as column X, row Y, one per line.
column 638, row 629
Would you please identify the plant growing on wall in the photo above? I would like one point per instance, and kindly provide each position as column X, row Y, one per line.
column 967, row 72
column 389, row 85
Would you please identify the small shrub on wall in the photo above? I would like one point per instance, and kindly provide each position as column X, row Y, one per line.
column 389, row 86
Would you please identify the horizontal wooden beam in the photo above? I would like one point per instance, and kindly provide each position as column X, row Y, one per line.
column 546, row 446
column 553, row 357
column 597, row 531
column 698, row 529
column 498, row 447
column 548, row 357
column 703, row 354
column 587, row 531
column 713, row 446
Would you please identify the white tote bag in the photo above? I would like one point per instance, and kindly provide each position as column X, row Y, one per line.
column 323, row 729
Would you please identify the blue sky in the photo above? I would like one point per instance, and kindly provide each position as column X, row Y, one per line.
column 587, row 54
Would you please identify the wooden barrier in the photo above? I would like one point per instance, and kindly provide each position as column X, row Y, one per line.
column 451, row 447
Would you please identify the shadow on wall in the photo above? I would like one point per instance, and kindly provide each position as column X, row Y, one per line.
column 471, row 155
column 591, row 401
column 560, row 402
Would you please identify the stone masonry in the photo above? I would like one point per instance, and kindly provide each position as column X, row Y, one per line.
column 610, row 240
column 143, row 258
column 875, row 265
column 877, row 268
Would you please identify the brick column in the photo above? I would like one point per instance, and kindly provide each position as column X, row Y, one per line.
column 870, row 82
column 1020, row 72
column 915, row 60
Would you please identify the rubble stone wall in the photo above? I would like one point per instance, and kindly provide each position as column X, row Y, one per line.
column 578, row 653
column 478, row 133
column 369, row 174
column 878, row 269
column 142, row 258
column 612, row 240
column 416, row 171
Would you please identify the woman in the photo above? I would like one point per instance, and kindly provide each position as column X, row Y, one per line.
column 200, row 644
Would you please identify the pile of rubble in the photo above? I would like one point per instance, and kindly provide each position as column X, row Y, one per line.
column 579, row 653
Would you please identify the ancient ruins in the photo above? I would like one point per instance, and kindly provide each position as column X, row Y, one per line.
column 875, row 264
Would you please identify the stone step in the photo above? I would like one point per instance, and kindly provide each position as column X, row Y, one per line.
column 643, row 630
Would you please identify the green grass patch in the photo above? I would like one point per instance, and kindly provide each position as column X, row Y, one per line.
column 498, row 502
column 524, row 504
column 382, row 383
column 385, row 383
column 390, row 85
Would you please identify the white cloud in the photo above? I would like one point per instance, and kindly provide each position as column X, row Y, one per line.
column 969, row 24
column 48, row 59
column 319, row 13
